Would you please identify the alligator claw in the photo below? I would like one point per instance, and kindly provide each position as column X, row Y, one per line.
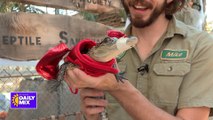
column 119, row 77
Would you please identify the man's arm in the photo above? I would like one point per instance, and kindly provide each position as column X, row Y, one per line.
column 196, row 113
column 127, row 95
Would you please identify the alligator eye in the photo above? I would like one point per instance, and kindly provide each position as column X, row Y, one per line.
column 111, row 40
column 108, row 40
column 114, row 39
column 104, row 40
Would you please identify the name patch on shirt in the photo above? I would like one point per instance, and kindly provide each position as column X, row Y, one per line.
column 174, row 54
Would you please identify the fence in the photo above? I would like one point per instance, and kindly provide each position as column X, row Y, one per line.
column 57, row 105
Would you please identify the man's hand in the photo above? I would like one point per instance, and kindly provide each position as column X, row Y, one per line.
column 3, row 115
column 76, row 78
column 92, row 103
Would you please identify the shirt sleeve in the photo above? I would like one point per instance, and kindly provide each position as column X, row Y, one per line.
column 197, row 87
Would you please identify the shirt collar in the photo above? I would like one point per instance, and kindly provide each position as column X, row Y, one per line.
column 175, row 27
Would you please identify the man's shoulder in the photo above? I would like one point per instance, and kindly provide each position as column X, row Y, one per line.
column 192, row 33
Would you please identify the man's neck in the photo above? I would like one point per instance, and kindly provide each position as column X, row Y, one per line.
column 153, row 32
column 150, row 35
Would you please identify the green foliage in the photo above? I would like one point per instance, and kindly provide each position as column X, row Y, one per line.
column 88, row 16
column 122, row 13
column 7, row 6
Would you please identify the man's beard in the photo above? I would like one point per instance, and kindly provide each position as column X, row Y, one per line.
column 139, row 23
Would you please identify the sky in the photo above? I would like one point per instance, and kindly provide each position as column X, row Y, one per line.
column 209, row 9
column 50, row 10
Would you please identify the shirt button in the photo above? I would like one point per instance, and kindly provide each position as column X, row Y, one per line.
column 170, row 68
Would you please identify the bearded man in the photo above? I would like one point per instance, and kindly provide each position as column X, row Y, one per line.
column 169, row 70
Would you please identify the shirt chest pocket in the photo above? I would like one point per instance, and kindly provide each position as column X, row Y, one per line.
column 171, row 69
column 166, row 80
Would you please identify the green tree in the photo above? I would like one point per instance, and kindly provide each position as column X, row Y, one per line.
column 8, row 6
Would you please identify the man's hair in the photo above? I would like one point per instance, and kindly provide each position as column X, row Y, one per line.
column 171, row 8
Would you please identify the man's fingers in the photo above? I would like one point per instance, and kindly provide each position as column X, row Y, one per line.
column 83, row 80
column 89, row 92
column 92, row 113
column 95, row 102
column 91, row 107
column 68, row 78
column 71, row 77
column 92, row 103
column 93, row 110
column 79, row 79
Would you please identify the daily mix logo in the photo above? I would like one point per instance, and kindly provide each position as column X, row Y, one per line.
column 23, row 100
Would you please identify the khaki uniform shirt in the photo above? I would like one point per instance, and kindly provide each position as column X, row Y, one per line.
column 180, row 72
